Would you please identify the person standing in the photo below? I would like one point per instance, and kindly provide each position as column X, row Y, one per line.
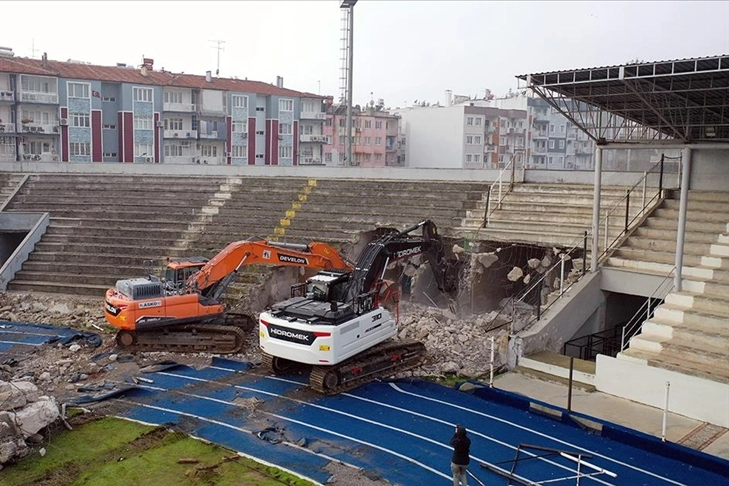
column 461, row 456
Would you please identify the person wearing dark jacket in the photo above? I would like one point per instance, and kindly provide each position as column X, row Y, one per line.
column 461, row 452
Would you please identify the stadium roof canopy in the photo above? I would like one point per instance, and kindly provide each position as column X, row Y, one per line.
column 680, row 101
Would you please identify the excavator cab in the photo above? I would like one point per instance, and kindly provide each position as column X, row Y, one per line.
column 178, row 271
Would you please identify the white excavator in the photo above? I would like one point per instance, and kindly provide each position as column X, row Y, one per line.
column 340, row 328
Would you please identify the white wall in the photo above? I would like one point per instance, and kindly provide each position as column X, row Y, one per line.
column 434, row 137
column 710, row 170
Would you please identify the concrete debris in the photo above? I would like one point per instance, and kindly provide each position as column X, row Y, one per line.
column 534, row 263
column 515, row 274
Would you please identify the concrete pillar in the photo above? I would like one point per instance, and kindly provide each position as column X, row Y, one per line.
column 682, row 208
column 596, row 209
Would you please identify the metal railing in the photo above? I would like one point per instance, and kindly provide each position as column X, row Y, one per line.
column 645, row 312
column 623, row 205
column 588, row 347
column 511, row 166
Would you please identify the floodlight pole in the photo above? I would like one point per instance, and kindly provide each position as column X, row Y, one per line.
column 349, row 4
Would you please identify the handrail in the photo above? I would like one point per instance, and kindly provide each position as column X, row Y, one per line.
column 499, row 180
column 519, row 297
column 635, row 324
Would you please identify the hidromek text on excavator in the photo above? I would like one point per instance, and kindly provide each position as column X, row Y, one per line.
column 185, row 311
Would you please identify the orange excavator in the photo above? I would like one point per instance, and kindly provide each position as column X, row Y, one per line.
column 188, row 315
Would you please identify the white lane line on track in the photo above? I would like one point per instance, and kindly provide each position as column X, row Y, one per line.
column 378, row 424
column 229, row 426
column 536, row 432
column 20, row 342
column 321, row 429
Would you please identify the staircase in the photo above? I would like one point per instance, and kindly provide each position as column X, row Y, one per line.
column 547, row 214
column 689, row 332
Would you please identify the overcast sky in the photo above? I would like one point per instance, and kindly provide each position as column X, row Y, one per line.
column 403, row 50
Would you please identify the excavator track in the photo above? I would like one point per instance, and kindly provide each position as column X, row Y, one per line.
column 380, row 361
column 192, row 338
column 281, row 366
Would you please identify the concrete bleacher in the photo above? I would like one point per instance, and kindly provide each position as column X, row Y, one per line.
column 102, row 228
column 547, row 214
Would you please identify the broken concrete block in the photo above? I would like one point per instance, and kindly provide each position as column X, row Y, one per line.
column 36, row 416
column 534, row 262
column 12, row 399
column 74, row 348
column 28, row 389
column 515, row 274
column 486, row 259
column 7, row 451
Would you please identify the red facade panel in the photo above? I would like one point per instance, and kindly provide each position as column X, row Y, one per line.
column 97, row 142
column 295, row 148
column 128, row 137
column 120, row 135
column 64, row 136
column 251, row 141
column 157, row 147
column 269, row 143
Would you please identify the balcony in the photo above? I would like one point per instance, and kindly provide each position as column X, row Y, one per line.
column 313, row 138
column 210, row 135
column 45, row 129
column 540, row 135
column 179, row 107
column 313, row 115
column 183, row 134
column 50, row 98
column 540, row 150
column 7, row 96
column 213, row 112
column 179, row 159
column 7, row 128
column 308, row 160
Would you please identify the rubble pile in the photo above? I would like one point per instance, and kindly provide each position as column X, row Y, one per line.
column 24, row 412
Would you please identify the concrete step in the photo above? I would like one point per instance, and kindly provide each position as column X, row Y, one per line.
column 714, row 228
column 110, row 240
column 670, row 362
column 695, row 216
column 152, row 247
column 690, row 335
column 83, row 224
column 649, row 244
column 586, row 190
column 699, row 205
column 670, row 235
column 558, row 365
column 115, row 259
column 654, row 256
column 57, row 288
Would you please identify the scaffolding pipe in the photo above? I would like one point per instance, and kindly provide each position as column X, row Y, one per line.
column 350, row 64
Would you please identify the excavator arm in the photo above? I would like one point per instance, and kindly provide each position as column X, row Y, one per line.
column 212, row 279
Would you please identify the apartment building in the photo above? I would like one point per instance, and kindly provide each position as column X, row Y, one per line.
column 468, row 135
column 375, row 137
column 77, row 112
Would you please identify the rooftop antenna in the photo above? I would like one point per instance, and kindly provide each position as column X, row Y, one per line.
column 219, row 47
column 32, row 48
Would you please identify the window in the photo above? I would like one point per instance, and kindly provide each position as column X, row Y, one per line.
column 143, row 94
column 259, row 132
column 468, row 157
column 469, row 140
column 378, row 125
column 502, row 140
column 143, row 123
column 109, row 99
column 285, row 151
column 551, row 128
column 357, row 123
column 209, row 151
column 142, row 149
column 80, row 119
column 109, row 127
column 368, row 140
column 378, row 141
column 239, row 101
column 78, row 90
column 240, row 151
column 285, row 105
column 37, row 85
column 477, row 139
column 259, row 156
column 240, row 127
column 328, row 157
column 80, row 148
column 109, row 154
column 306, row 129
column 477, row 121
column 562, row 128
column 503, row 123
column 476, row 157
column 259, row 108
column 342, row 139
column 368, row 157
column 284, row 129
column 173, row 123
column 173, row 97
column 357, row 141
column 551, row 144
column 342, row 122
column 469, row 121
column 173, row 150
column 561, row 144
column 550, row 159
column 368, row 123
column 38, row 117
column 560, row 160
column 387, row 126
column 378, row 157
column 328, row 122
